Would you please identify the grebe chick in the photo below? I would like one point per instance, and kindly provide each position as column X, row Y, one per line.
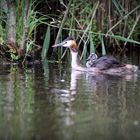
column 115, row 69
column 91, row 59
column 103, row 63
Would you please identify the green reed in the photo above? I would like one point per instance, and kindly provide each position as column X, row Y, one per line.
column 95, row 23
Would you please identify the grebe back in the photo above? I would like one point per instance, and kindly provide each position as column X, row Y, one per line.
column 104, row 62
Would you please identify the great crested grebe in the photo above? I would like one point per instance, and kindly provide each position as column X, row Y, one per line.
column 114, row 68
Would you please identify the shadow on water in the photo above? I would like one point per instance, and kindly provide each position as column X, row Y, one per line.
column 50, row 101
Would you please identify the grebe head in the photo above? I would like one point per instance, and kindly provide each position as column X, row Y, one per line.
column 71, row 44
column 91, row 59
column 68, row 43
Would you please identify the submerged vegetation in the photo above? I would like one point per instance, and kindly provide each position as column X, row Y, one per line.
column 25, row 26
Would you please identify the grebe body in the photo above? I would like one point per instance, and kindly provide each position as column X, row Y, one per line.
column 105, row 64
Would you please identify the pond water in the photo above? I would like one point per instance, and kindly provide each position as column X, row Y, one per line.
column 51, row 102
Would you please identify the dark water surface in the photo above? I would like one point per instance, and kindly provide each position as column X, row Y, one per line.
column 51, row 102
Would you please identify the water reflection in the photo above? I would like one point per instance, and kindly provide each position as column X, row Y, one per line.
column 15, row 101
column 50, row 101
column 101, row 98
column 67, row 95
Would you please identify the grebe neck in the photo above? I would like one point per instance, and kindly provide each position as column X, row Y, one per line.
column 75, row 62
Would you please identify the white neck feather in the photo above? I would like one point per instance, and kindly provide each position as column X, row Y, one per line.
column 75, row 60
column 76, row 66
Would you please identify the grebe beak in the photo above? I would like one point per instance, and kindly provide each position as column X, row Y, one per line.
column 66, row 43
column 58, row 45
column 62, row 44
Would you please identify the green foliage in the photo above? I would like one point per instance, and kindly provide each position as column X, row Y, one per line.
column 92, row 47
column 46, row 43
column 2, row 34
column 110, row 19
column 14, row 56
column 84, row 51
column 3, row 11
column 19, row 20
column 29, row 45
column 33, row 21
column 119, row 7
column 103, row 45
column 125, row 39
column 89, row 21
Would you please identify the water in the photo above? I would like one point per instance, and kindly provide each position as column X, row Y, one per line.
column 51, row 102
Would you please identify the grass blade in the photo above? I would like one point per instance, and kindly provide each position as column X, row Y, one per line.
column 83, row 55
column 117, row 5
column 92, row 47
column 125, row 39
column 103, row 45
column 46, row 44
column 132, row 30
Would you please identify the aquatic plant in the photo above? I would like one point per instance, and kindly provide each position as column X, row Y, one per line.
column 94, row 24
column 19, row 22
column 97, row 23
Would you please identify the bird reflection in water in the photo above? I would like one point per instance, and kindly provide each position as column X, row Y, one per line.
column 68, row 95
column 99, row 86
